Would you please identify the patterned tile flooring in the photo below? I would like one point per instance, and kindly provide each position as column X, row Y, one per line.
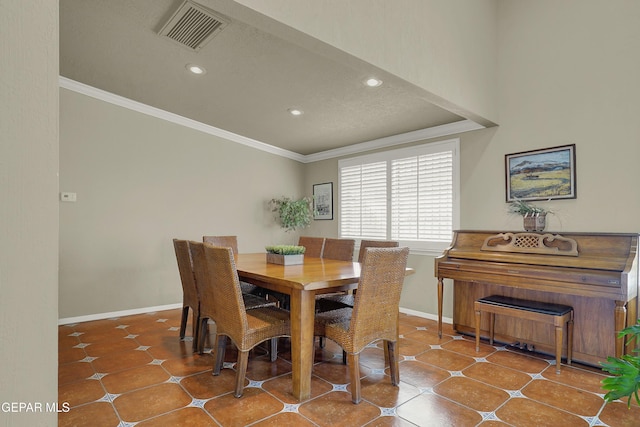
column 135, row 370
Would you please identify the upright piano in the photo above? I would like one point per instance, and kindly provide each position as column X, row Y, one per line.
column 595, row 273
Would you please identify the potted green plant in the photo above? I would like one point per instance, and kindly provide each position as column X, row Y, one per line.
column 285, row 254
column 534, row 217
column 292, row 214
column 625, row 370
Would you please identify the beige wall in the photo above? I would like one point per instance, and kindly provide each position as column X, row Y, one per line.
column 142, row 181
column 28, row 208
column 567, row 75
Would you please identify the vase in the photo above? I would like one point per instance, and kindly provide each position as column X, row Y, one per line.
column 285, row 259
column 535, row 222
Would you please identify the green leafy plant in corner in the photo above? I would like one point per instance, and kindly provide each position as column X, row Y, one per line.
column 626, row 370
column 292, row 214
column 285, row 249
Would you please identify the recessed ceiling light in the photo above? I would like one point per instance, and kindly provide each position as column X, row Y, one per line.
column 373, row 82
column 295, row 111
column 196, row 69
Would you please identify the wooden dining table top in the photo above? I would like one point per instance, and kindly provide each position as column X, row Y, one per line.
column 314, row 274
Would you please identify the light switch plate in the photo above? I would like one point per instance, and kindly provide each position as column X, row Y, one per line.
column 68, row 197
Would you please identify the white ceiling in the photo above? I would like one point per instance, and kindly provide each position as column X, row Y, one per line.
column 253, row 76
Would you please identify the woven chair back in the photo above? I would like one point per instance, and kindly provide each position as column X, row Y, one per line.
column 223, row 241
column 377, row 302
column 340, row 249
column 313, row 246
column 203, row 280
column 185, row 267
column 231, row 316
column 375, row 244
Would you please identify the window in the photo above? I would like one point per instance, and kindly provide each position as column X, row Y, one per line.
column 409, row 195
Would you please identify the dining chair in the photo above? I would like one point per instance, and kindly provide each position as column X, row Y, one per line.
column 375, row 244
column 223, row 241
column 245, row 328
column 247, row 288
column 374, row 316
column 232, row 242
column 337, row 301
column 203, row 277
column 313, row 245
column 340, row 249
column 190, row 297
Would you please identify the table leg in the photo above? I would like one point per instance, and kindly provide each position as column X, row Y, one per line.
column 302, row 319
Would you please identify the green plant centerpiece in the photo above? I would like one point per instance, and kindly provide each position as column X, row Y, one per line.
column 625, row 370
column 534, row 217
column 285, row 249
column 292, row 214
column 285, row 254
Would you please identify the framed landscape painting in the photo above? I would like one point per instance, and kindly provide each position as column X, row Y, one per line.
column 541, row 174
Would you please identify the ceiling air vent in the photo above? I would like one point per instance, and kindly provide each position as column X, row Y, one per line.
column 192, row 26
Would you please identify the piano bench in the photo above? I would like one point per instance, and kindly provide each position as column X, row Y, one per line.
column 554, row 314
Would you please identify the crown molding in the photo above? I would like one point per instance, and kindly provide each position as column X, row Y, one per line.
column 173, row 118
column 403, row 138
column 390, row 141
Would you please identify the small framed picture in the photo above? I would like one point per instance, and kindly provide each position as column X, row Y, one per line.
column 323, row 201
column 541, row 174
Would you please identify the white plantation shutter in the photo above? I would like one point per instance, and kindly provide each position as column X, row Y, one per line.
column 363, row 201
column 409, row 195
column 422, row 197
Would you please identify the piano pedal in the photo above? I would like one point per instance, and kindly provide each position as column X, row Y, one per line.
column 523, row 346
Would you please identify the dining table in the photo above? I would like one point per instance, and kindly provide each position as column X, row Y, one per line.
column 302, row 282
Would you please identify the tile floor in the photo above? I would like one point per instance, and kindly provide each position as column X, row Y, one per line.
column 134, row 370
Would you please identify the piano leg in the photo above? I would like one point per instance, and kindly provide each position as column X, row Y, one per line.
column 440, row 296
column 620, row 314
column 570, row 339
column 478, row 315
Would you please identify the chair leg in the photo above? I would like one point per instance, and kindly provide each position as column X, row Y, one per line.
column 218, row 353
column 195, row 332
column 183, row 320
column 241, row 371
column 354, row 373
column 204, row 329
column 274, row 349
column 394, row 370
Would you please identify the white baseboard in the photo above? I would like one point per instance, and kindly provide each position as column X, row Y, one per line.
column 113, row 314
column 425, row 315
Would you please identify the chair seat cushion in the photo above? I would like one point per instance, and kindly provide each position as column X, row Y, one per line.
column 334, row 302
column 253, row 301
